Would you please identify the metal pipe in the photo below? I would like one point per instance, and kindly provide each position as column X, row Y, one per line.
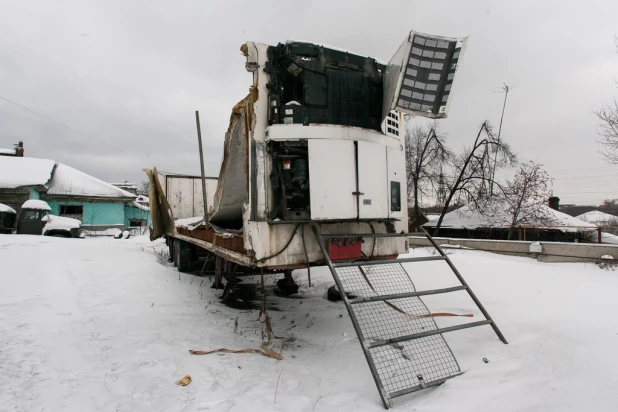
column 429, row 333
column 361, row 338
column 204, row 192
column 302, row 234
column 387, row 261
column 472, row 295
column 354, row 235
column 407, row 295
column 332, row 221
column 493, row 173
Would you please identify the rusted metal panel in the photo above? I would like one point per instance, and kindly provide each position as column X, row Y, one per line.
column 235, row 244
column 232, row 256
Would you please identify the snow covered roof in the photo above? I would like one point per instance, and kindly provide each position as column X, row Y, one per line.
column 57, row 178
column 597, row 217
column 7, row 151
column 125, row 184
column 24, row 171
column 69, row 181
column 605, row 238
column 137, row 205
column 36, row 205
column 468, row 217
column 6, row 209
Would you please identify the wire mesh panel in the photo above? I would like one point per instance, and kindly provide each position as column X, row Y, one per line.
column 374, row 280
column 401, row 341
column 401, row 367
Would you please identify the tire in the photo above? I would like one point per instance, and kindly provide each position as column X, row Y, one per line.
column 169, row 241
column 334, row 295
column 56, row 233
column 182, row 255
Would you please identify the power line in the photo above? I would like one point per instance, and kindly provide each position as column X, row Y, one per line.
column 73, row 129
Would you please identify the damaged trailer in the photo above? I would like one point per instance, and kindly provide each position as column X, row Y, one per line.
column 318, row 141
column 314, row 173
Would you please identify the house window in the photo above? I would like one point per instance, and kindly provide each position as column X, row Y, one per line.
column 137, row 222
column 74, row 211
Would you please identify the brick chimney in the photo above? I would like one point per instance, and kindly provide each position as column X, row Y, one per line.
column 19, row 149
column 554, row 203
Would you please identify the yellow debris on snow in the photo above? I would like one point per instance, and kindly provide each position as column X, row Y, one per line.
column 184, row 381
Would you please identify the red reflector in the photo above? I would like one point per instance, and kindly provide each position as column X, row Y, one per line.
column 344, row 249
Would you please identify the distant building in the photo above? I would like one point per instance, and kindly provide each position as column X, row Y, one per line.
column 599, row 218
column 18, row 151
column 549, row 225
column 129, row 187
column 143, row 200
column 69, row 192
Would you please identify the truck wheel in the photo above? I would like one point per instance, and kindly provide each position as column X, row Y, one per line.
column 170, row 246
column 58, row 233
column 182, row 255
column 334, row 295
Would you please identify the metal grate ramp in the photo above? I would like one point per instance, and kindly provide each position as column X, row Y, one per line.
column 403, row 345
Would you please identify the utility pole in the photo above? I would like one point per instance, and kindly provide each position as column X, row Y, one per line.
column 506, row 89
column 441, row 189
column 204, row 192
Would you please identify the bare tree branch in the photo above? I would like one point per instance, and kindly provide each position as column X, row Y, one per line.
column 473, row 170
column 608, row 127
column 608, row 131
column 426, row 152
column 523, row 199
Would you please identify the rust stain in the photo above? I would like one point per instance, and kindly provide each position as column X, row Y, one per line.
column 244, row 49
column 235, row 244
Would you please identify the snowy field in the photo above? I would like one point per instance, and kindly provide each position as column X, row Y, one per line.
column 107, row 325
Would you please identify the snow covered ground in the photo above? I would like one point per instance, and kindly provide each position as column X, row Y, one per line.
column 106, row 325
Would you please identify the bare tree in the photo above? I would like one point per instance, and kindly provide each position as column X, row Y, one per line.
column 144, row 188
column 608, row 131
column 610, row 203
column 523, row 198
column 473, row 175
column 608, row 127
column 426, row 152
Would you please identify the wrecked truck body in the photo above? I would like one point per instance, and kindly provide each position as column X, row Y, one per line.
column 314, row 173
column 317, row 142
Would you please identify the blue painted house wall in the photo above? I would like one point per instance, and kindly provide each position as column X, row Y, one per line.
column 95, row 213
column 132, row 212
column 102, row 205
column 100, row 213
column 34, row 194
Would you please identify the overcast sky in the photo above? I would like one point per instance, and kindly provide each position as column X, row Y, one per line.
column 132, row 73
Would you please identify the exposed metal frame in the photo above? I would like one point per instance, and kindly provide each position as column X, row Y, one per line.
column 365, row 345
column 463, row 282
column 386, row 261
column 359, row 333
column 333, row 221
column 429, row 333
column 230, row 255
column 355, row 235
column 407, row 295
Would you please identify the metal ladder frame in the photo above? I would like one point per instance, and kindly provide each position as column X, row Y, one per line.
column 349, row 302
